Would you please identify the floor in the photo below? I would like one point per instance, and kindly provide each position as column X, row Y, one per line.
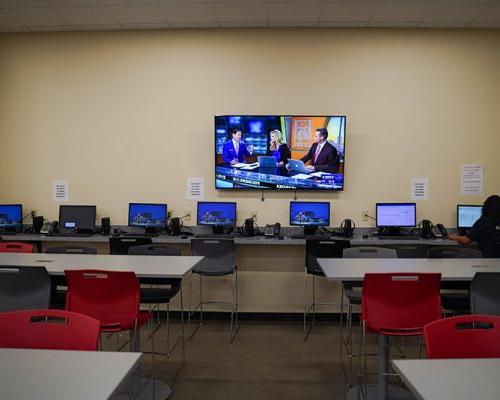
column 267, row 360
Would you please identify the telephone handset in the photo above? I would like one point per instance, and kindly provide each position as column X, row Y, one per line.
column 273, row 230
column 429, row 230
column 439, row 231
column 50, row 227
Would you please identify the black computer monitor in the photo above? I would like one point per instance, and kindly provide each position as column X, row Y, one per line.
column 218, row 215
column 152, row 217
column 11, row 218
column 390, row 217
column 77, row 218
column 310, row 215
column 467, row 215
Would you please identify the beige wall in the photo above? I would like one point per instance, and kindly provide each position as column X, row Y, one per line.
column 128, row 116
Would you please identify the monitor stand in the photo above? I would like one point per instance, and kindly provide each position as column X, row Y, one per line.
column 151, row 230
column 217, row 229
column 310, row 230
column 390, row 231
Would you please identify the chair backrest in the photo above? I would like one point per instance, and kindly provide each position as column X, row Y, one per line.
column 485, row 293
column 410, row 250
column 465, row 336
column 328, row 248
column 400, row 301
column 218, row 254
column 453, row 252
column 112, row 297
column 369, row 252
column 120, row 245
column 16, row 247
column 48, row 329
column 71, row 250
column 24, row 288
column 154, row 250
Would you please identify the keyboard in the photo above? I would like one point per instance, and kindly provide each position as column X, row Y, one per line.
column 311, row 237
column 214, row 236
column 71, row 234
column 146, row 235
column 412, row 237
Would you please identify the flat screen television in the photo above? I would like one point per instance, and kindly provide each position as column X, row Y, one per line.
column 279, row 152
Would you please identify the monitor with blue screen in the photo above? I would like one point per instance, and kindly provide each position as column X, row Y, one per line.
column 149, row 216
column 216, row 214
column 467, row 215
column 310, row 215
column 11, row 217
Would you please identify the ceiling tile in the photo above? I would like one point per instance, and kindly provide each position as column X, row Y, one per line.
column 6, row 22
column 142, row 14
column 86, row 15
column 243, row 24
column 453, row 12
column 146, row 26
column 286, row 12
column 129, row 2
column 198, row 13
column 454, row 24
column 348, row 12
column 490, row 14
column 300, row 24
column 393, row 24
column 337, row 24
column 4, row 29
column 106, row 27
column 194, row 24
column 241, row 12
column 35, row 16
column 47, row 3
column 402, row 11
column 52, row 28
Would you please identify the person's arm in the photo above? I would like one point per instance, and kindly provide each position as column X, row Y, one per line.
column 285, row 153
column 460, row 239
column 331, row 164
column 225, row 153
column 309, row 155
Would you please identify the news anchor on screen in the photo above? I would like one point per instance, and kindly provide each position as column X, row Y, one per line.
column 278, row 149
column 235, row 151
column 322, row 155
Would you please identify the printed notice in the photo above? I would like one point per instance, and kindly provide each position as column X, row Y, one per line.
column 419, row 188
column 194, row 188
column 60, row 190
column 471, row 179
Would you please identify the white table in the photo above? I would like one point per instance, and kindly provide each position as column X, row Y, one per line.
column 459, row 269
column 451, row 379
column 354, row 269
column 63, row 375
column 143, row 266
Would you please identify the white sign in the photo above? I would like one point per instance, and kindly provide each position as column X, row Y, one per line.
column 194, row 188
column 60, row 190
column 471, row 179
column 419, row 188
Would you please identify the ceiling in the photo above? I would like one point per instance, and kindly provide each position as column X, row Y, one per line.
column 86, row 15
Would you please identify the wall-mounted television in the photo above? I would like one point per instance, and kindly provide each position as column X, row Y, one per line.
column 279, row 152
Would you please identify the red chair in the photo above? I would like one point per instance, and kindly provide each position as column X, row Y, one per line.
column 48, row 329
column 397, row 304
column 112, row 297
column 16, row 247
column 466, row 336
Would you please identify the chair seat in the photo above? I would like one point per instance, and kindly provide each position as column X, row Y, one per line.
column 123, row 323
column 213, row 271
column 455, row 301
column 418, row 331
column 158, row 295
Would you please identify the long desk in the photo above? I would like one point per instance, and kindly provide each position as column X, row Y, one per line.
column 452, row 379
column 63, row 375
column 344, row 269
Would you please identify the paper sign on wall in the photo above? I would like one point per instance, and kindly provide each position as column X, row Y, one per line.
column 60, row 190
column 419, row 188
column 471, row 179
column 194, row 188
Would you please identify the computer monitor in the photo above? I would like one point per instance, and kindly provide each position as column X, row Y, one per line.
column 152, row 217
column 216, row 214
column 393, row 216
column 310, row 215
column 77, row 218
column 467, row 215
column 11, row 218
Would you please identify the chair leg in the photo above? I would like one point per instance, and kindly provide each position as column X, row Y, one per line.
column 193, row 310
column 234, row 311
column 182, row 324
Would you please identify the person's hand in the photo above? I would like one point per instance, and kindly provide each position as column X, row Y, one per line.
column 250, row 148
column 234, row 161
column 281, row 163
column 310, row 167
column 452, row 236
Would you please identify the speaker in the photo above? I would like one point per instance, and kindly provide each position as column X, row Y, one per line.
column 105, row 226
column 175, row 226
column 37, row 224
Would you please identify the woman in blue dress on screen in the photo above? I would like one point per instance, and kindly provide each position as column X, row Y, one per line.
column 278, row 149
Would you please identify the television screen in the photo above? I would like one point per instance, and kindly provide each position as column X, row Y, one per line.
column 467, row 215
column 147, row 215
column 216, row 213
column 309, row 213
column 396, row 214
column 77, row 217
column 11, row 215
column 279, row 152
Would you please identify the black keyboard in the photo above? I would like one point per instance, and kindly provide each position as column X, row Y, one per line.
column 146, row 235
column 412, row 237
column 311, row 237
column 71, row 234
column 214, row 236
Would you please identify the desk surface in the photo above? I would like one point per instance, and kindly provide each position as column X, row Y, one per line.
column 63, row 375
column 354, row 269
column 143, row 266
column 455, row 379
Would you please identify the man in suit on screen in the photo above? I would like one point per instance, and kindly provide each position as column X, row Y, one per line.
column 322, row 155
column 235, row 150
